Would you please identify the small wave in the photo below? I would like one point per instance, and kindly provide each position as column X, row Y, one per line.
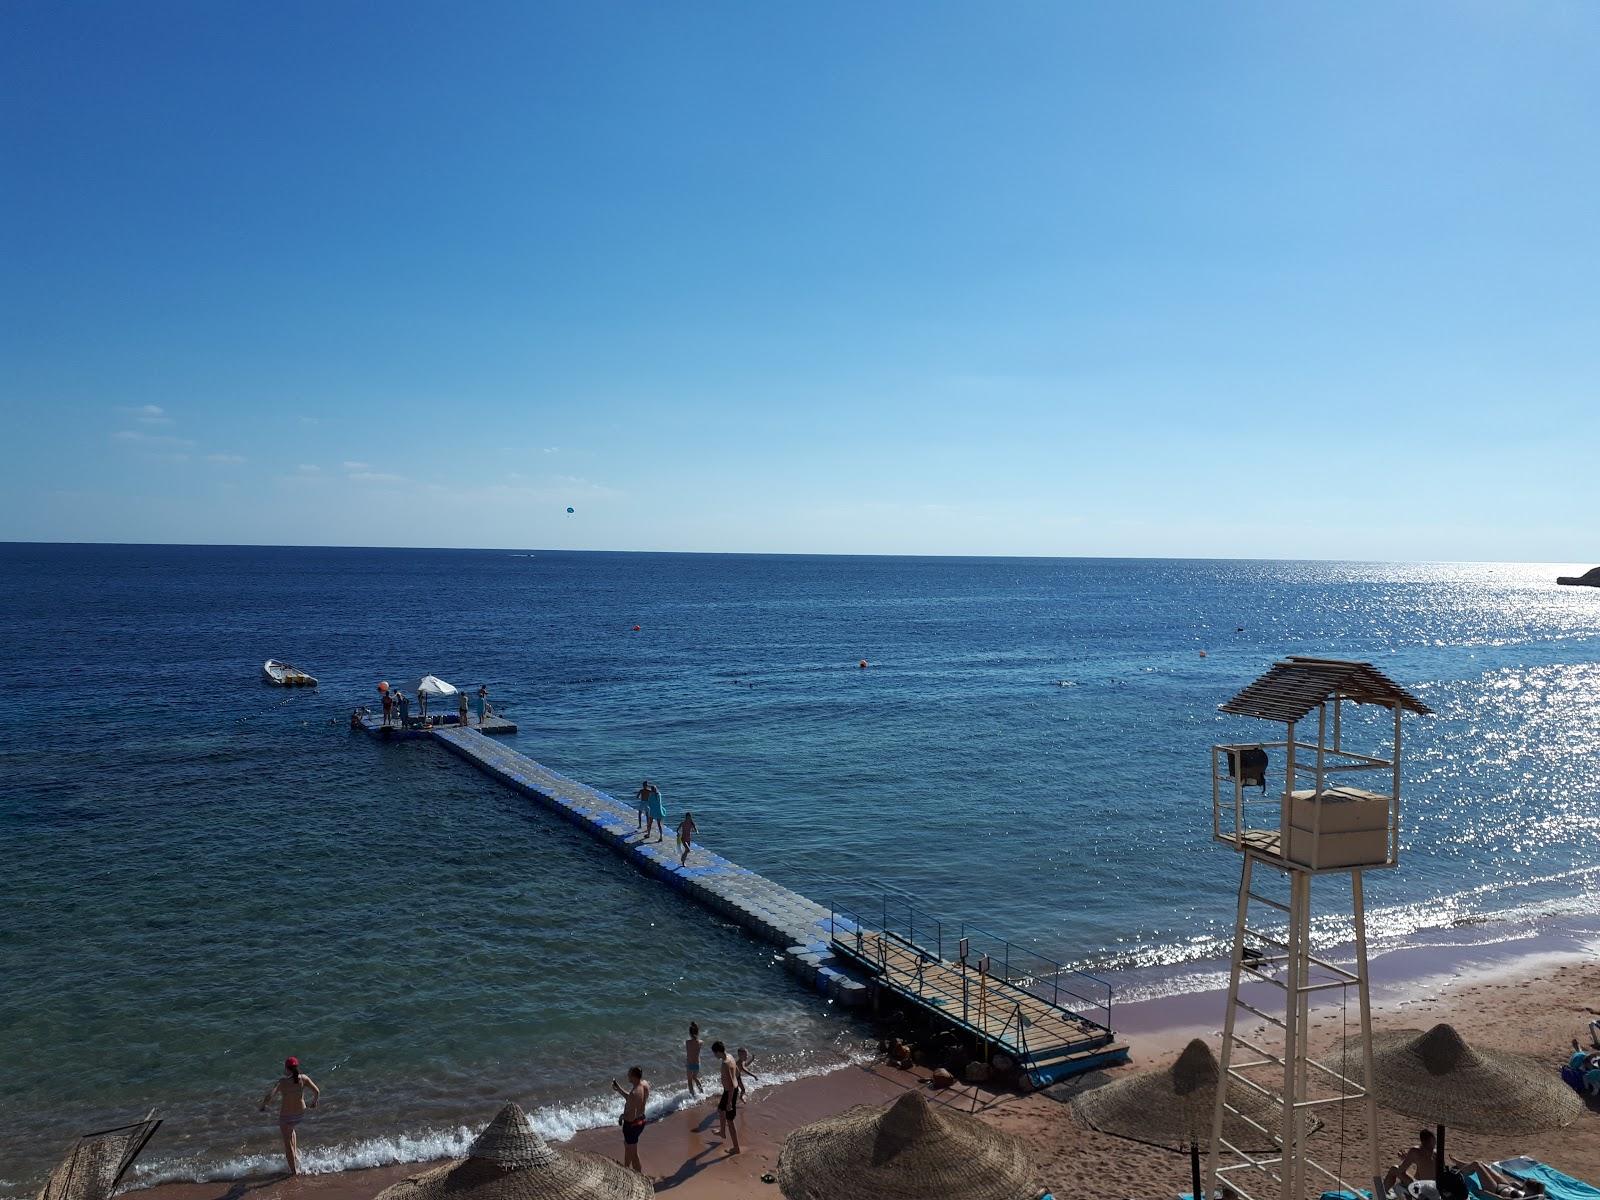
column 554, row 1122
column 426, row 1146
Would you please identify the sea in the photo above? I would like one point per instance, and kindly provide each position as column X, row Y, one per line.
column 201, row 874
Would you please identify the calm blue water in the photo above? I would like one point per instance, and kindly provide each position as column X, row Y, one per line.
column 200, row 874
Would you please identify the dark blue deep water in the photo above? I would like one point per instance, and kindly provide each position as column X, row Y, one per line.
column 200, row 874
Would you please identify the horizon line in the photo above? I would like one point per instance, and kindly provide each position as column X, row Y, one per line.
column 794, row 553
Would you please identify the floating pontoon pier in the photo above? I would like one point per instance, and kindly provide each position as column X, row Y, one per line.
column 765, row 910
column 1025, row 1006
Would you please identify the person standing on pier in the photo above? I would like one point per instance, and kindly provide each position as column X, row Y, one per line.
column 686, row 832
column 483, row 702
column 404, row 701
column 655, row 813
column 728, row 1106
column 388, row 706
column 641, row 800
column 461, row 709
column 692, row 1052
column 633, row 1119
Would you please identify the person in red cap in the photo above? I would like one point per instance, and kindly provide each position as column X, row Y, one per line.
column 291, row 1090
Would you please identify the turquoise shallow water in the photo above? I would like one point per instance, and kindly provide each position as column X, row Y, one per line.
column 201, row 874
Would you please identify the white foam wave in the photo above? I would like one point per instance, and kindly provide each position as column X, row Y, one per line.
column 425, row 1146
column 554, row 1122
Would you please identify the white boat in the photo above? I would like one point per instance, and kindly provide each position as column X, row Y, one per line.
column 284, row 675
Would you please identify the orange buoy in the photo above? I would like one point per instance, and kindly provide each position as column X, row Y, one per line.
column 636, row 629
column 862, row 664
column 383, row 685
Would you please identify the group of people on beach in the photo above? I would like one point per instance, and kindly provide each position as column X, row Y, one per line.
column 397, row 706
column 732, row 1069
column 652, row 815
column 297, row 1094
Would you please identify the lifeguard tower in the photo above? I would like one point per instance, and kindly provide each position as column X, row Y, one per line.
column 1338, row 812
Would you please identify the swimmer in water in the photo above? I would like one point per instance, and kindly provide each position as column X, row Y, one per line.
column 291, row 1090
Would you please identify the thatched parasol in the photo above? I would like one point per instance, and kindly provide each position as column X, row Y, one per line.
column 94, row 1167
column 509, row 1161
column 1438, row 1078
column 1173, row 1107
column 907, row 1150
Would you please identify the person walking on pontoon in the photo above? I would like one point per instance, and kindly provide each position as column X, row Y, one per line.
column 641, row 802
column 291, row 1088
column 654, row 814
column 686, row 831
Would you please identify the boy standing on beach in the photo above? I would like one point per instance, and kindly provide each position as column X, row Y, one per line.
column 728, row 1106
column 633, row 1118
column 743, row 1061
column 692, row 1053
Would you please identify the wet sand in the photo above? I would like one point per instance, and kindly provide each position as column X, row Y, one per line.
column 1533, row 1004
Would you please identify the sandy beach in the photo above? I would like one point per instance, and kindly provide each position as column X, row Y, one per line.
column 1532, row 1005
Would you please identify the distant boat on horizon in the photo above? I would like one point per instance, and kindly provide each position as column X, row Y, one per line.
column 1590, row 578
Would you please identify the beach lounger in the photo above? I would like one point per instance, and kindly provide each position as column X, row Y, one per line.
column 1556, row 1185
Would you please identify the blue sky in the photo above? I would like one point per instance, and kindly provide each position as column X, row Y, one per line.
column 1159, row 278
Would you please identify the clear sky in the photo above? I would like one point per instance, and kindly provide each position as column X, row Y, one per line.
column 1275, row 279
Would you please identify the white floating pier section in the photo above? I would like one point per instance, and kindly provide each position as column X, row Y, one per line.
column 766, row 910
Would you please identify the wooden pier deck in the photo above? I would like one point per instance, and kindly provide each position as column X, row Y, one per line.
column 1048, row 1040
column 774, row 914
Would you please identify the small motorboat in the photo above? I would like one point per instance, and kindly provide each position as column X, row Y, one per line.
column 284, row 675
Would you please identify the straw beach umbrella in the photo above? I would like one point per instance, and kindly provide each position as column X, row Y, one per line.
column 509, row 1161
column 1172, row 1107
column 908, row 1149
column 1436, row 1077
column 96, row 1164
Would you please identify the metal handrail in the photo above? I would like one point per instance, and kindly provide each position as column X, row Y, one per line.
column 1041, row 976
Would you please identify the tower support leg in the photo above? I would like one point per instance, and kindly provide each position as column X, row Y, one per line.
column 1370, row 1103
column 1295, row 1011
column 1225, row 1057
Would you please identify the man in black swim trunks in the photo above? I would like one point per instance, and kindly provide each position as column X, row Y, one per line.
column 633, row 1119
column 728, row 1106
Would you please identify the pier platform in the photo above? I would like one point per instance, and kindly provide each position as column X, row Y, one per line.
column 493, row 726
column 800, row 928
column 1052, row 1020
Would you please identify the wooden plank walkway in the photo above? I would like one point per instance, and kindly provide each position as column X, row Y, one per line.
column 1049, row 1041
column 768, row 911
